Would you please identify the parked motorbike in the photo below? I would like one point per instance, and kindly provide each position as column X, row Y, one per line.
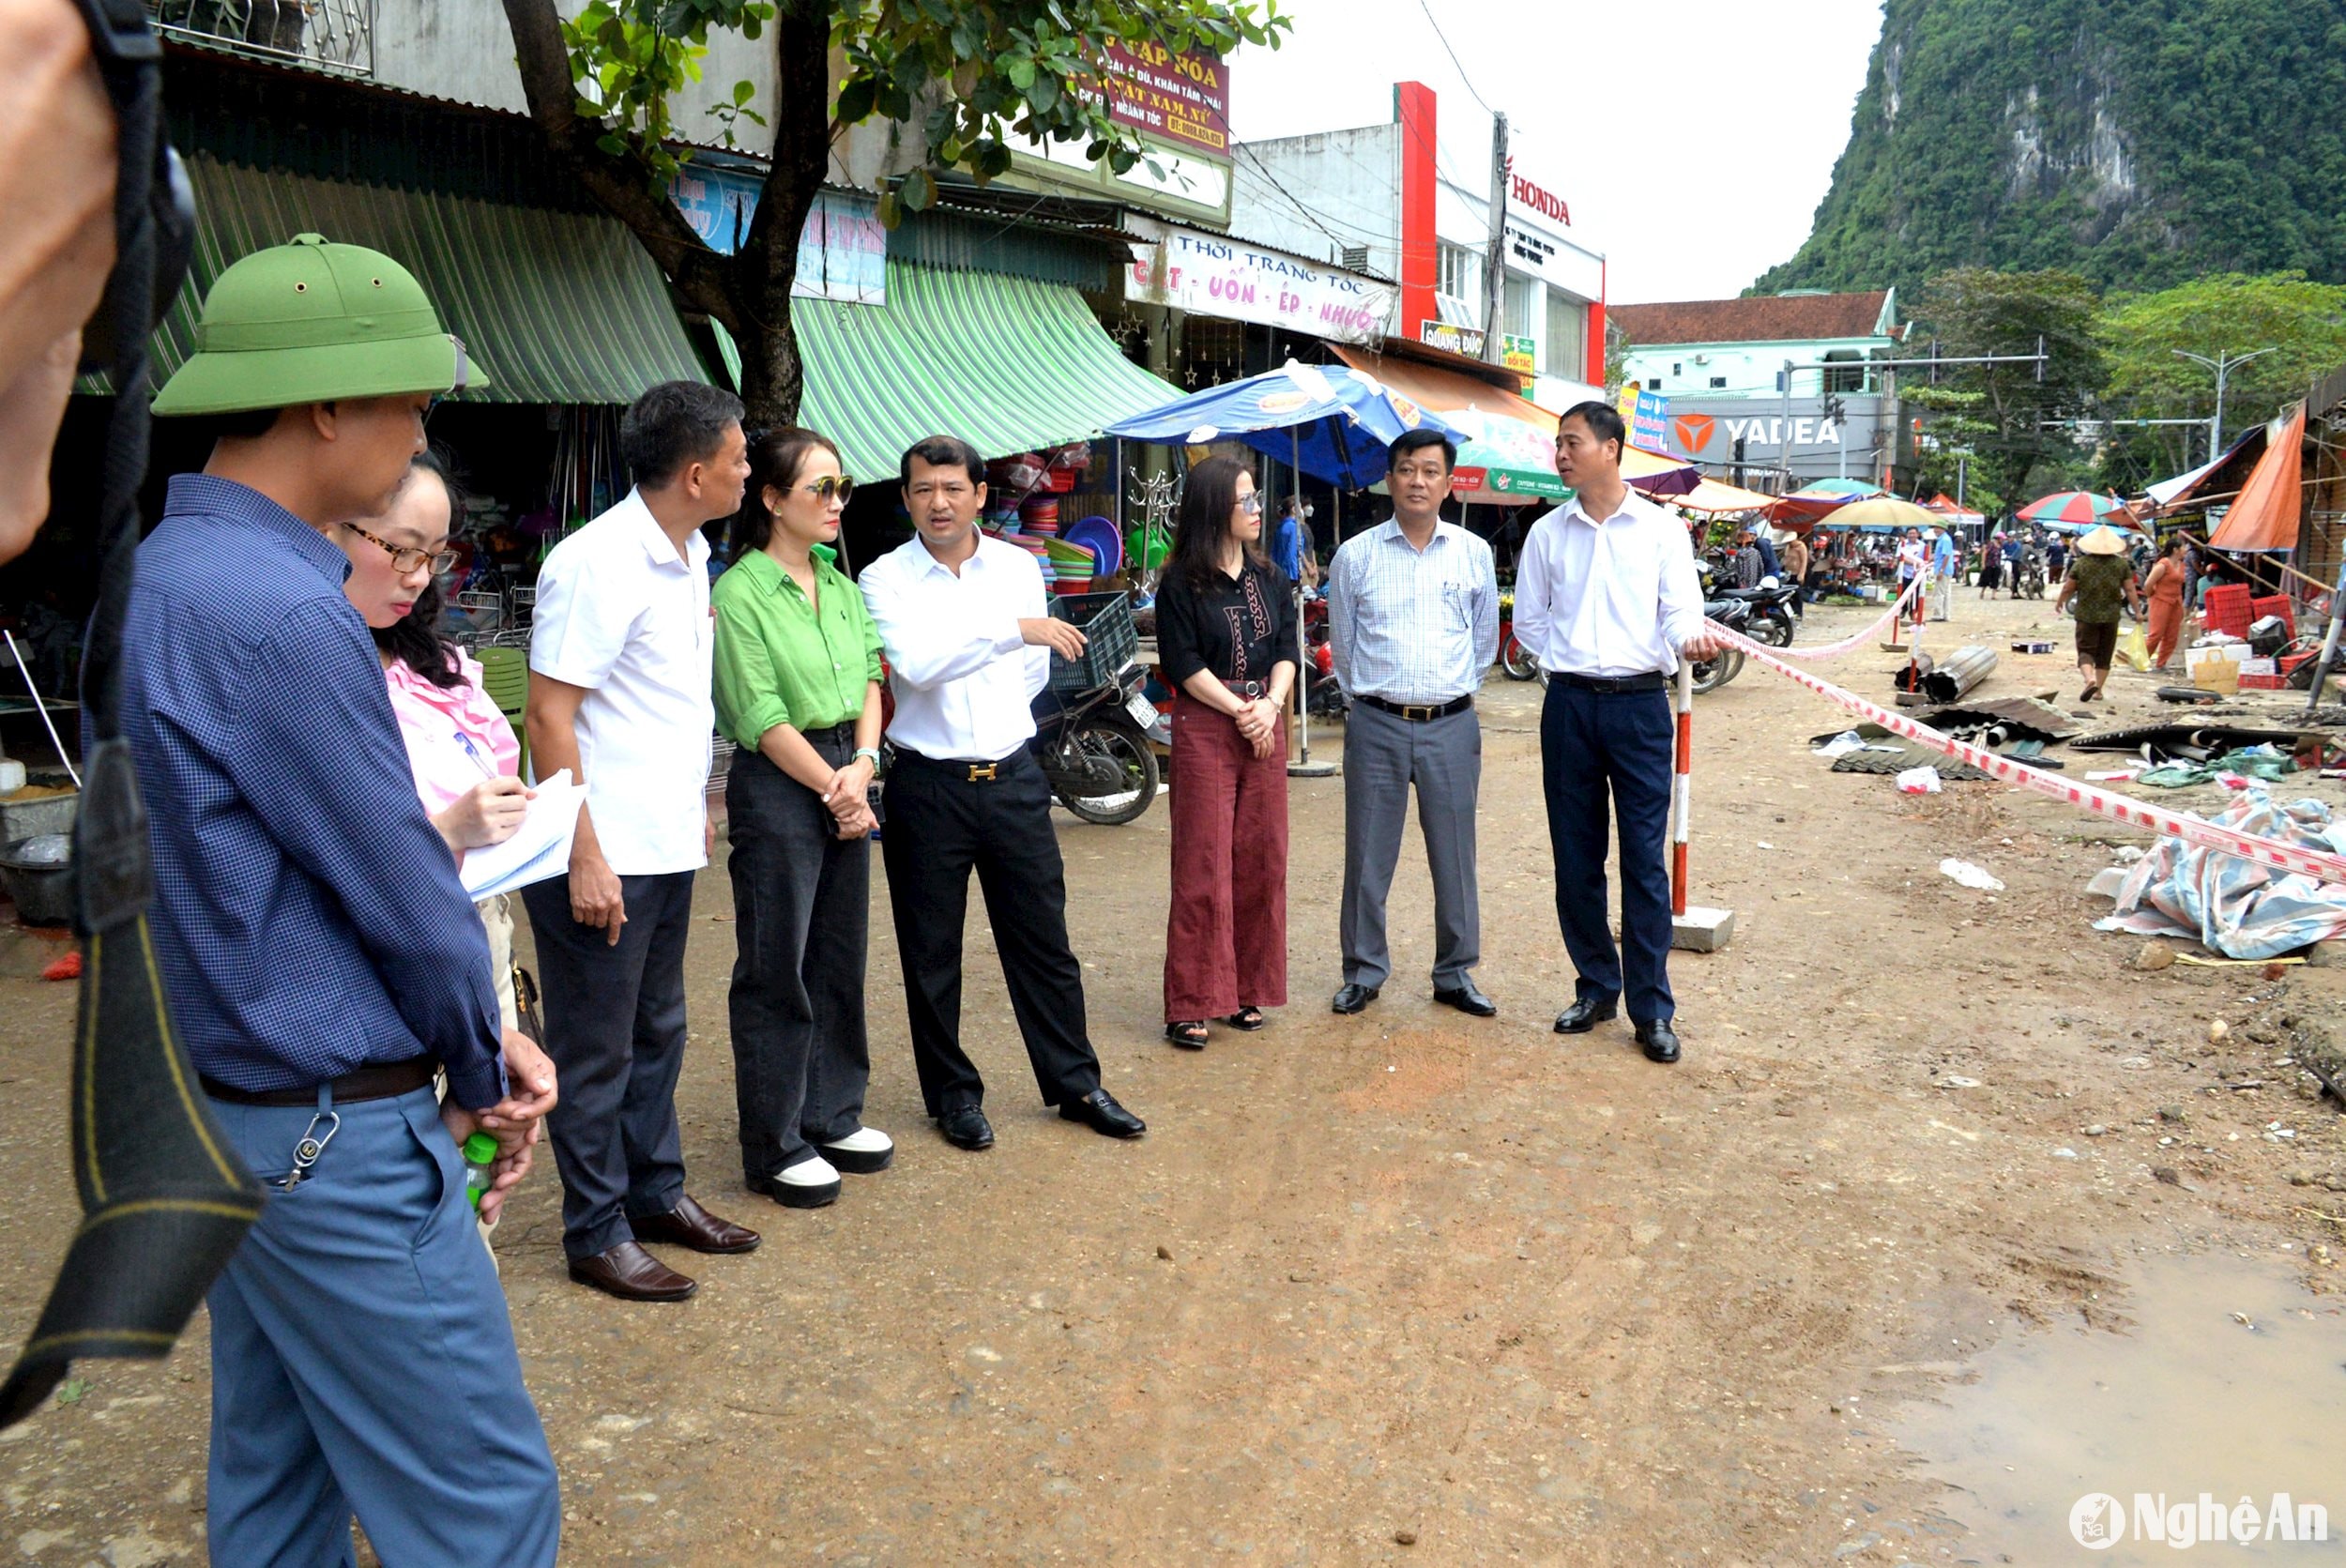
column 1094, row 748
column 1735, row 614
column 1324, row 698
column 1771, row 619
column 1514, row 661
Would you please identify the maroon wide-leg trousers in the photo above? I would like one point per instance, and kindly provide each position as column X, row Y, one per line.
column 1226, row 937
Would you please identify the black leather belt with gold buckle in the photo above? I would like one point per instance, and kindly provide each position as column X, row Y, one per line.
column 968, row 769
column 1418, row 713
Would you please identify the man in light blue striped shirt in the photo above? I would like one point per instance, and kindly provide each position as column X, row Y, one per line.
column 1413, row 623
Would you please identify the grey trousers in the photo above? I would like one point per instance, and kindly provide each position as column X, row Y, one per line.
column 1384, row 755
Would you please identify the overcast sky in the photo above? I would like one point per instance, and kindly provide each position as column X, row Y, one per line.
column 1692, row 138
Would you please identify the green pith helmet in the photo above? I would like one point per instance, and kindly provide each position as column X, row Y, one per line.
column 311, row 322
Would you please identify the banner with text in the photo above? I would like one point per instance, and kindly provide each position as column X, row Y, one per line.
column 1209, row 274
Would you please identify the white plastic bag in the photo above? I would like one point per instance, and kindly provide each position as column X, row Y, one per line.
column 1969, row 875
column 1920, row 781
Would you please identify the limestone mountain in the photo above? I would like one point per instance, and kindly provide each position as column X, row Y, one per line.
column 2141, row 143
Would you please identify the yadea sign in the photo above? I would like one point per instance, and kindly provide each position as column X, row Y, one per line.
column 1771, row 432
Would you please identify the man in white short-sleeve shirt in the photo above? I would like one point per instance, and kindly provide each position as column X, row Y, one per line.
column 621, row 654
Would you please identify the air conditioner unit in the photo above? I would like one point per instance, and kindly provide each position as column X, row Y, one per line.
column 1702, row 359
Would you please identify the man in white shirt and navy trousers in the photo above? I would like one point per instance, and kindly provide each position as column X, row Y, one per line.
column 1607, row 600
column 969, row 639
column 620, row 652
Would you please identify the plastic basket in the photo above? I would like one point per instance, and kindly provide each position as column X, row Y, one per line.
column 2274, row 604
column 1106, row 619
column 2228, row 609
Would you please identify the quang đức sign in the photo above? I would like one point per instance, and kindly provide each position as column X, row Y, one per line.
column 1208, row 275
column 1181, row 99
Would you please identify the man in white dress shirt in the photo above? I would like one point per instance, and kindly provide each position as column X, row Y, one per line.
column 620, row 652
column 969, row 639
column 1607, row 600
column 1413, row 624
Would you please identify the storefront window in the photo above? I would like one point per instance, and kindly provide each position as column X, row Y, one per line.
column 1456, row 273
column 1519, row 304
column 1567, row 335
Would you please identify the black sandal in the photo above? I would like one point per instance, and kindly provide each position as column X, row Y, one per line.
column 1248, row 1018
column 1189, row 1034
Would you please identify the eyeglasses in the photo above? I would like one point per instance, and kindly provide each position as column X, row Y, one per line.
column 1250, row 503
column 828, row 485
column 405, row 560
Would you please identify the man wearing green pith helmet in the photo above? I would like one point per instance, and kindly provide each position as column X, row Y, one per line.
column 323, row 962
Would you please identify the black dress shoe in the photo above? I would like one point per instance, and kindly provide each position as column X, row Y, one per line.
column 1099, row 1111
column 1467, row 1000
column 1586, row 1013
column 1351, row 999
column 966, row 1127
column 688, row 1225
column 1659, row 1040
column 632, row 1275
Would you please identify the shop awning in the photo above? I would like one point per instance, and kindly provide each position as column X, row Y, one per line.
column 1445, row 391
column 1008, row 364
column 558, row 307
column 1719, row 496
column 1531, row 472
column 2265, row 516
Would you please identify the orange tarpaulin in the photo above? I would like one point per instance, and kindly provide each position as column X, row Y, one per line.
column 2265, row 516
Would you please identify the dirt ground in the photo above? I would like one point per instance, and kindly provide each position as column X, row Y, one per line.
column 1402, row 1286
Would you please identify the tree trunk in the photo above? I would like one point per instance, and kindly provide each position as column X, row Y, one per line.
column 750, row 291
column 760, row 277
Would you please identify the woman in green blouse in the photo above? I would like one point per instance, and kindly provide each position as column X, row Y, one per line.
column 797, row 690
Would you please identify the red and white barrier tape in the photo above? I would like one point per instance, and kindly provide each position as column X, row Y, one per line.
column 2102, row 802
column 1852, row 644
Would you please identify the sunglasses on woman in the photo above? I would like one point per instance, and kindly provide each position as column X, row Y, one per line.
column 405, row 560
column 830, row 485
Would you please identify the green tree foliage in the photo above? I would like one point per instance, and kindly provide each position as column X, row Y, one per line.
column 2302, row 324
column 2138, row 142
column 2000, row 413
column 969, row 78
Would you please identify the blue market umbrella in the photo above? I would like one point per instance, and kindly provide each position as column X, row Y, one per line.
column 1333, row 422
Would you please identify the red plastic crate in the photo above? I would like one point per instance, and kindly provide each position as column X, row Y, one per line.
column 2274, row 604
column 2263, row 682
column 2228, row 610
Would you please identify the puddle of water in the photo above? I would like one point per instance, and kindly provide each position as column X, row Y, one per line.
column 2189, row 1401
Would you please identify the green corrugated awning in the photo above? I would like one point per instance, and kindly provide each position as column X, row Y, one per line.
column 558, row 307
column 1008, row 364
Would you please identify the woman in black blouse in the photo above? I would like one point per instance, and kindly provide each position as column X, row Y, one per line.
column 1226, row 637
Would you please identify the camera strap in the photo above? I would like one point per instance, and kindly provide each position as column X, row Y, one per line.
column 165, row 1201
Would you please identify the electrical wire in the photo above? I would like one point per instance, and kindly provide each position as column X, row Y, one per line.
column 1463, row 77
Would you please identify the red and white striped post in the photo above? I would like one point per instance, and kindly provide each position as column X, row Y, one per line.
column 1682, row 786
column 1692, row 927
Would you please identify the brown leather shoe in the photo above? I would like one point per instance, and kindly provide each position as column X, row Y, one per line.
column 688, row 1225
column 632, row 1275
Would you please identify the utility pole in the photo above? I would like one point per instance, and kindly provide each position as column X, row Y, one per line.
column 1495, row 256
column 1784, row 435
column 2223, row 365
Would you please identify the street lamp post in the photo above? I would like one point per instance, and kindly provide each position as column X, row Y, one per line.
column 2223, row 365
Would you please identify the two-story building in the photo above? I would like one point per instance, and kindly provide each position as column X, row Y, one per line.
column 1382, row 200
column 1780, row 385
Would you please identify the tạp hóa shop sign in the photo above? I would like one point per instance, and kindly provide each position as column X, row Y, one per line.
column 1182, row 99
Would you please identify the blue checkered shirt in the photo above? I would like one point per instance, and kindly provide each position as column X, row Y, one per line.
column 1410, row 625
column 307, row 914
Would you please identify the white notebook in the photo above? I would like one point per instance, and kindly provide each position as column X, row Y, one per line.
column 539, row 850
